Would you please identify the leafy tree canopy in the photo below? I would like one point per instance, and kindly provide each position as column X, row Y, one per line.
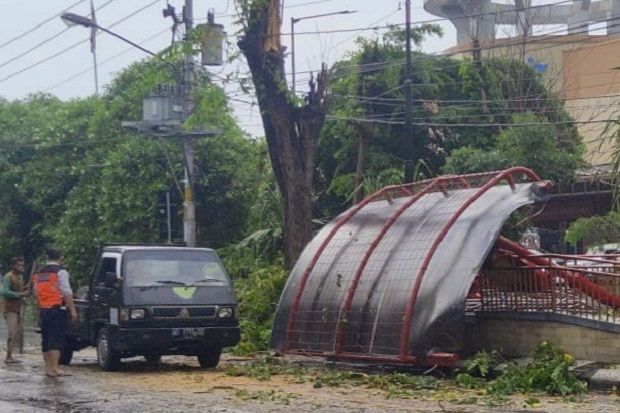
column 451, row 97
column 72, row 177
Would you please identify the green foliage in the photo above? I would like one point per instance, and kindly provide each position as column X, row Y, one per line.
column 482, row 363
column 468, row 381
column 265, row 367
column 368, row 108
column 258, row 295
column 70, row 176
column 538, row 147
column 595, row 230
column 274, row 396
column 547, row 373
column 392, row 384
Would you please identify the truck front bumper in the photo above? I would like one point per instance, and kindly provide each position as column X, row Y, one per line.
column 185, row 341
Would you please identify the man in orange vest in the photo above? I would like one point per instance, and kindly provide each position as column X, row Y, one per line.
column 54, row 296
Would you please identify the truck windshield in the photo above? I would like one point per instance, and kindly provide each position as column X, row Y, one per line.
column 173, row 267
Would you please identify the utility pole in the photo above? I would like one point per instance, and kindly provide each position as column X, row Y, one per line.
column 189, row 206
column 293, row 21
column 411, row 151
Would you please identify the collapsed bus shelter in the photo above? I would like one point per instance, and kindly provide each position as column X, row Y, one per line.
column 389, row 280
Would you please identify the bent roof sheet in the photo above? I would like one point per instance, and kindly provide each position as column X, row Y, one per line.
column 389, row 277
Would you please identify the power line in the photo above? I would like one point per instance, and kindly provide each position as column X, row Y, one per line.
column 48, row 58
column 469, row 125
column 39, row 25
column 439, row 19
column 507, row 44
column 88, row 69
column 45, row 41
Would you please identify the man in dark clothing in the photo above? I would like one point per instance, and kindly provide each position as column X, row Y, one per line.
column 13, row 292
column 55, row 297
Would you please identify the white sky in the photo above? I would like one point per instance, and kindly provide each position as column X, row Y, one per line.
column 311, row 49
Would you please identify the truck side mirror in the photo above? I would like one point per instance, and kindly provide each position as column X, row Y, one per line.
column 110, row 279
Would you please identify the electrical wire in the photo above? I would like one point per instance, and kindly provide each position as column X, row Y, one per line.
column 39, row 25
column 53, row 56
column 506, row 44
column 103, row 62
column 470, row 125
column 45, row 41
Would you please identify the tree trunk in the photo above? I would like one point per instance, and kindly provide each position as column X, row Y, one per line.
column 291, row 129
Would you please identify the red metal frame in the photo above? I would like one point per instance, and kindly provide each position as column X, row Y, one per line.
column 340, row 332
column 436, row 359
column 387, row 193
column 408, row 316
column 567, row 273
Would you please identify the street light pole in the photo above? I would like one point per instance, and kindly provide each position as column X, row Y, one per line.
column 297, row 20
column 74, row 19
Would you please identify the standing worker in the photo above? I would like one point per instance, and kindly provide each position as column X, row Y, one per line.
column 13, row 292
column 54, row 296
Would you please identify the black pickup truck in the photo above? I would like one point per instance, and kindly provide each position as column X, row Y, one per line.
column 155, row 300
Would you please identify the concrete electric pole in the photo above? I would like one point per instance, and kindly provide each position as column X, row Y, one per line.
column 165, row 110
column 189, row 206
column 411, row 151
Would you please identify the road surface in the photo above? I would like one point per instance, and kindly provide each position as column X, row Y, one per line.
column 177, row 384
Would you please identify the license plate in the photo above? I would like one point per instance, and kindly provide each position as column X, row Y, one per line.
column 192, row 332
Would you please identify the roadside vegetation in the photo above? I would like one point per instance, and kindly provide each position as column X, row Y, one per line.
column 478, row 382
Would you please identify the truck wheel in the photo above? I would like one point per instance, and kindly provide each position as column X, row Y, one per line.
column 108, row 358
column 66, row 354
column 152, row 358
column 210, row 356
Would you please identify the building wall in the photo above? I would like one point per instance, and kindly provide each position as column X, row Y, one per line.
column 591, row 88
column 516, row 338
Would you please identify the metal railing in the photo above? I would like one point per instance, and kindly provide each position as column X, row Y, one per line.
column 589, row 291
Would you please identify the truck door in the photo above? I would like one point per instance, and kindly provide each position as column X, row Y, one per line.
column 104, row 300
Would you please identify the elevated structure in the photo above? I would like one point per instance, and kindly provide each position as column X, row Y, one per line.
column 579, row 67
column 479, row 19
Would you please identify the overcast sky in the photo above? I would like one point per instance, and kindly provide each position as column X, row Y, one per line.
column 60, row 74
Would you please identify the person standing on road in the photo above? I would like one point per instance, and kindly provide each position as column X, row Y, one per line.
column 54, row 296
column 13, row 292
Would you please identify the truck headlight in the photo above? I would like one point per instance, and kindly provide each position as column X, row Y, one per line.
column 137, row 313
column 225, row 312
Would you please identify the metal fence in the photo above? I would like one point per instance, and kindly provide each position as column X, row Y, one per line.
column 588, row 288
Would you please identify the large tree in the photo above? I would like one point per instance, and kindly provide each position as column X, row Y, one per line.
column 292, row 125
column 361, row 147
column 71, row 176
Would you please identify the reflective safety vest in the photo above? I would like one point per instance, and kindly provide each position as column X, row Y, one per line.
column 45, row 283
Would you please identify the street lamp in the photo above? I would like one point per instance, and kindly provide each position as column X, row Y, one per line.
column 72, row 19
column 297, row 20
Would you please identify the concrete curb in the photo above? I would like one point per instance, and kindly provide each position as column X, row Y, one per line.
column 597, row 375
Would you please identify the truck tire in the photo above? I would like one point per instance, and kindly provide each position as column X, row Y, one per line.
column 210, row 356
column 66, row 354
column 107, row 357
column 152, row 358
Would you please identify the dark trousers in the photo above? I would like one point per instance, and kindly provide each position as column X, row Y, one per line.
column 54, row 325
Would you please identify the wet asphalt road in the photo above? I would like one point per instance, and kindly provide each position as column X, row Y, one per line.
column 25, row 389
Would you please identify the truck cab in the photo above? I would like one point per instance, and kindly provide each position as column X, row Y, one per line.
column 156, row 300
